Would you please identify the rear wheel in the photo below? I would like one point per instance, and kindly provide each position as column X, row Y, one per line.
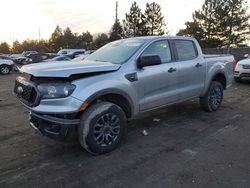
column 5, row 69
column 102, row 127
column 213, row 98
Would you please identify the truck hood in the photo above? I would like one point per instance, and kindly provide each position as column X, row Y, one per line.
column 64, row 69
column 244, row 62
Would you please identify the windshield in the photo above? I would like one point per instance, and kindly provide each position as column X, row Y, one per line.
column 117, row 52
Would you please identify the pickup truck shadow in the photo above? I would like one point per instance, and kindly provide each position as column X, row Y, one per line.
column 179, row 124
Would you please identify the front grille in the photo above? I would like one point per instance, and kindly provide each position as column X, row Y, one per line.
column 246, row 66
column 245, row 75
column 25, row 91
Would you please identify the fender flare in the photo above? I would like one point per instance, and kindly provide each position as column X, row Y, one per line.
column 112, row 91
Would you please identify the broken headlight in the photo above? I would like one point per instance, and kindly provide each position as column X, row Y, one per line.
column 56, row 90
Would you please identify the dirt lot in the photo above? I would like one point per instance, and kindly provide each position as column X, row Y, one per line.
column 186, row 148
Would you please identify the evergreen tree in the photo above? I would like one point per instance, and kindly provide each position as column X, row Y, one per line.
column 133, row 23
column 85, row 40
column 234, row 23
column 17, row 47
column 116, row 31
column 224, row 23
column 56, row 40
column 100, row 41
column 69, row 39
column 4, row 48
column 153, row 20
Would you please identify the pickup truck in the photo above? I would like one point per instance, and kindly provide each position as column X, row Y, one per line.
column 93, row 98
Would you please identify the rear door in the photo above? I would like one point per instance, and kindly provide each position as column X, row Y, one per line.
column 157, row 84
column 192, row 69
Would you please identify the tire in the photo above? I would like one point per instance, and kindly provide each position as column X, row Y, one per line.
column 211, row 101
column 5, row 69
column 102, row 128
column 236, row 79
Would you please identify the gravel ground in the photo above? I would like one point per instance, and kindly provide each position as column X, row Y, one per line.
column 185, row 147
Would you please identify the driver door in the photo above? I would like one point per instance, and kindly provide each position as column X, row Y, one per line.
column 157, row 85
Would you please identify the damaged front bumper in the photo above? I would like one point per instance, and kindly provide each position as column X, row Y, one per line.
column 58, row 128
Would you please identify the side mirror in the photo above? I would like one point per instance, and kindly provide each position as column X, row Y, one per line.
column 151, row 60
column 246, row 55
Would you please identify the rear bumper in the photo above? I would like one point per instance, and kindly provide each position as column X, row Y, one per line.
column 53, row 127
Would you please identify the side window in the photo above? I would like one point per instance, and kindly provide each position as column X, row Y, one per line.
column 186, row 49
column 160, row 48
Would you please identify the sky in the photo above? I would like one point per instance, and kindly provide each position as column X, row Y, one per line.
column 22, row 19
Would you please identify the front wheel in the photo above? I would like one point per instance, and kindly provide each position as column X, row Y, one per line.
column 213, row 98
column 102, row 127
column 5, row 69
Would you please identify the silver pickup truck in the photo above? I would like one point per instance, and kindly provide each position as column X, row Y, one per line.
column 93, row 98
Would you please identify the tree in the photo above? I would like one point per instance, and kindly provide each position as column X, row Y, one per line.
column 194, row 29
column 234, row 23
column 69, row 39
column 116, row 31
column 85, row 40
column 56, row 40
column 204, row 26
column 17, row 47
column 101, row 40
column 133, row 23
column 4, row 48
column 154, row 20
column 224, row 23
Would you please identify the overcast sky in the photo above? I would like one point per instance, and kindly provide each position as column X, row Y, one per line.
column 21, row 19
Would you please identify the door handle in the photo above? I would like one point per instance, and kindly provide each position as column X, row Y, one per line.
column 198, row 65
column 172, row 70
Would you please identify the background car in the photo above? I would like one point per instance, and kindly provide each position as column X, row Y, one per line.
column 36, row 58
column 6, row 64
column 242, row 69
column 71, row 53
column 26, row 53
column 83, row 56
column 58, row 58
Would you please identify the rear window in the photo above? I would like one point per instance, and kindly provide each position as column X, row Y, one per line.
column 186, row 49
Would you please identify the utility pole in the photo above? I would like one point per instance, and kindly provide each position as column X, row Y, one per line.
column 116, row 18
column 39, row 35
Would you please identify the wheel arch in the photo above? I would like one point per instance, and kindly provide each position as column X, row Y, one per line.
column 116, row 96
column 220, row 77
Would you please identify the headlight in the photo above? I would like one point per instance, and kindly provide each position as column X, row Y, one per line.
column 56, row 90
column 239, row 66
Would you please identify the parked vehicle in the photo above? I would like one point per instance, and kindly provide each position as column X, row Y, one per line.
column 80, row 57
column 22, row 59
column 27, row 53
column 36, row 58
column 18, row 58
column 6, row 65
column 71, row 53
column 123, row 79
column 58, row 58
column 242, row 69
